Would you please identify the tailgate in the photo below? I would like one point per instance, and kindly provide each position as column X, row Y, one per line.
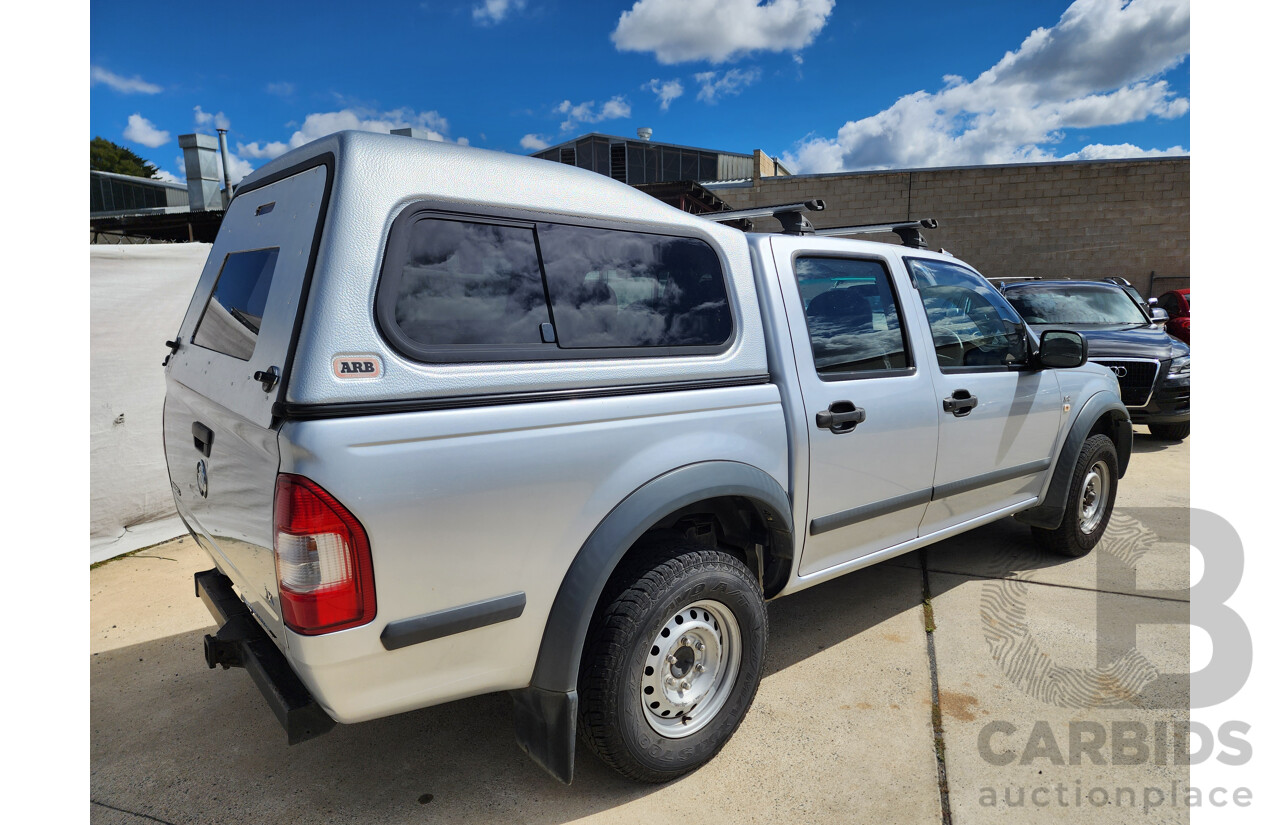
column 230, row 367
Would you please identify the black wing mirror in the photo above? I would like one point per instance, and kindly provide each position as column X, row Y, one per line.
column 1062, row 349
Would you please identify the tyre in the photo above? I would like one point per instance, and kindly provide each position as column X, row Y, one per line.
column 1090, row 501
column 1170, row 432
column 672, row 662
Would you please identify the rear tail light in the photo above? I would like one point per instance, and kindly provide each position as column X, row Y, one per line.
column 323, row 565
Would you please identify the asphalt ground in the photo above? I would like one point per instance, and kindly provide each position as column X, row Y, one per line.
column 980, row 680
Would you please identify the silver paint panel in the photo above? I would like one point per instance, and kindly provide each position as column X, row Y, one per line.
column 466, row 505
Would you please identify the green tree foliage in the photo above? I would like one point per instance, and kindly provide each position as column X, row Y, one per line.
column 105, row 156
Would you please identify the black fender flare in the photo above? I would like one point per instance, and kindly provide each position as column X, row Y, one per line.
column 546, row 712
column 1049, row 513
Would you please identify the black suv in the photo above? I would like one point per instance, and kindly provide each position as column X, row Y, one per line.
column 1154, row 368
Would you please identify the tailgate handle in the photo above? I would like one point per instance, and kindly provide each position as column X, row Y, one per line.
column 203, row 437
column 267, row 377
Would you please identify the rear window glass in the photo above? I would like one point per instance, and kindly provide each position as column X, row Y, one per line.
column 474, row 290
column 233, row 316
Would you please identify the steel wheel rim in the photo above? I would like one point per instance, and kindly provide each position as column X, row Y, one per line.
column 1094, row 493
column 690, row 669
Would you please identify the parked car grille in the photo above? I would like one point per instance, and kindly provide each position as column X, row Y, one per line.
column 1137, row 378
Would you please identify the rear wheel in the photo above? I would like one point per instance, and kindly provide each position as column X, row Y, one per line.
column 1171, row 432
column 673, row 661
column 1090, row 501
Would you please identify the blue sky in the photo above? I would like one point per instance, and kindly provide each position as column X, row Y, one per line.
column 825, row 85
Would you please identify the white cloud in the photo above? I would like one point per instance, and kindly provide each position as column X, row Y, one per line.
column 281, row 89
column 1098, row 151
column 492, row 12
column 533, row 143
column 719, row 30
column 613, row 108
column 124, row 85
column 731, row 82
column 141, row 130
column 269, row 151
column 666, row 91
column 168, row 176
column 205, row 119
column 239, row 167
column 319, row 124
column 1098, row 66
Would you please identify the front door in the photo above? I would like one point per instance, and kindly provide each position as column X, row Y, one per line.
column 1000, row 419
column 870, row 418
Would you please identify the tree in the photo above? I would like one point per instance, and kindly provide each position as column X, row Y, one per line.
column 105, row 156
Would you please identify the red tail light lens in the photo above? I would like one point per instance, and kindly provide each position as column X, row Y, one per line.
column 323, row 565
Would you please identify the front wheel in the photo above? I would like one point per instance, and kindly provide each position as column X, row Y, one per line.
column 1090, row 501
column 673, row 662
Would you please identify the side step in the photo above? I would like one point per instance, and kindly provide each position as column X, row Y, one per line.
column 241, row 642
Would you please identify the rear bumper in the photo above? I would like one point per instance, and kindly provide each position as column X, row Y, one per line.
column 241, row 642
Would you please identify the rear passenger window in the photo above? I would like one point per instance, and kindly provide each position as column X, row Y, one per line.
column 233, row 316
column 852, row 315
column 478, row 290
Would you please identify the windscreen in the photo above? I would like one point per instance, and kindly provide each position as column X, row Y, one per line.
column 1075, row 304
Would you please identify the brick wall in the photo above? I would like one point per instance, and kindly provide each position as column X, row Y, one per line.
column 1057, row 220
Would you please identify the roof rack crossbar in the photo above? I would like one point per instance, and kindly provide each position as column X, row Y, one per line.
column 815, row 205
column 908, row 231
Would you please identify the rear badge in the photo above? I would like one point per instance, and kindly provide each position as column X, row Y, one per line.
column 357, row 366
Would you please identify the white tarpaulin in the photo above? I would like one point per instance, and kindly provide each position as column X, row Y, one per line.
column 137, row 297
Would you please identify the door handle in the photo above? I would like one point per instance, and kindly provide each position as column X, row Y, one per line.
column 960, row 404
column 841, row 417
column 203, row 437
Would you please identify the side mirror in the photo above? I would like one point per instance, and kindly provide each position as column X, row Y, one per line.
column 1159, row 316
column 1062, row 349
column 1152, row 301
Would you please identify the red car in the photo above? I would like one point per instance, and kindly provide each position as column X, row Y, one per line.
column 1178, row 304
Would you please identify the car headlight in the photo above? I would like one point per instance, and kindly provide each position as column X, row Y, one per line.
column 1181, row 366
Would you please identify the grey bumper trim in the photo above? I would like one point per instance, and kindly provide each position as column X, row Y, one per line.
column 406, row 632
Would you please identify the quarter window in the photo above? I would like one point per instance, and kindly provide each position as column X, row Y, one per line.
column 972, row 325
column 852, row 315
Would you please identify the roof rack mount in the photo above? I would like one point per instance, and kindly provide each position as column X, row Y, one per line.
column 791, row 216
column 908, row 231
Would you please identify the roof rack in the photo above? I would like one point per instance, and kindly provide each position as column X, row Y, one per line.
column 791, row 216
column 908, row 231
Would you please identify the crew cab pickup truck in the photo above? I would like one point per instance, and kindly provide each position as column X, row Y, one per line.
column 450, row 421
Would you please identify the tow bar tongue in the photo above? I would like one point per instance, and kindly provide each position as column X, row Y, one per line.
column 241, row 642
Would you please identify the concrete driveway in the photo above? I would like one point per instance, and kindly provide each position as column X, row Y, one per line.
column 977, row 681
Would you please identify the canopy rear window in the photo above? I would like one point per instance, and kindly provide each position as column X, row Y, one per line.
column 233, row 316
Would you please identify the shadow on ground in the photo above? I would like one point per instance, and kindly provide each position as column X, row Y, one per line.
column 175, row 742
